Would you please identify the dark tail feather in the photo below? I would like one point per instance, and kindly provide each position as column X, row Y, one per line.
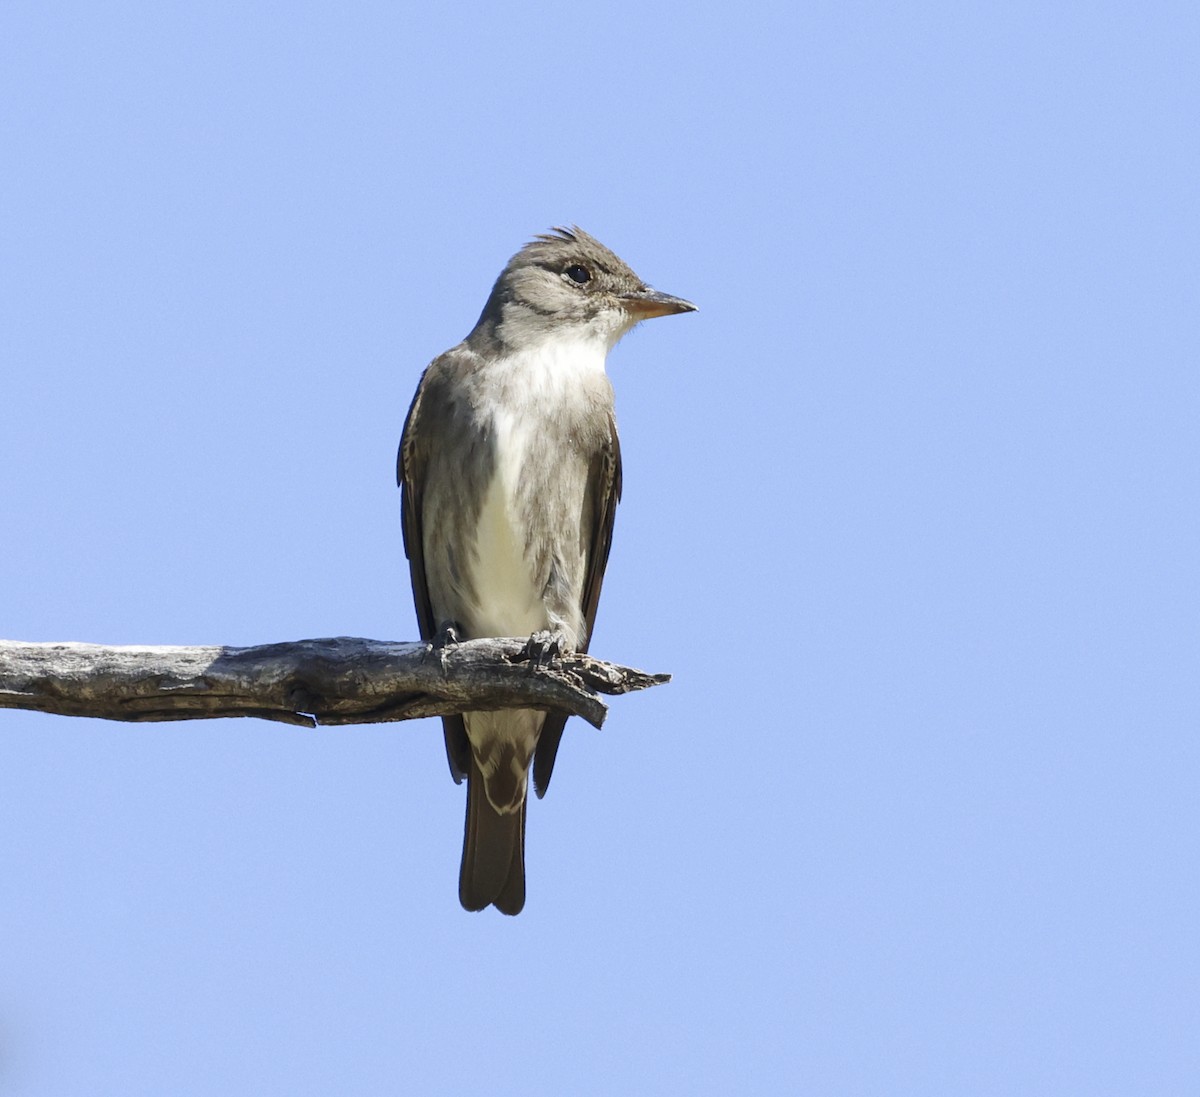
column 493, row 861
column 547, row 749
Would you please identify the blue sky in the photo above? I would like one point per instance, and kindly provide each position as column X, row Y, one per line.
column 909, row 513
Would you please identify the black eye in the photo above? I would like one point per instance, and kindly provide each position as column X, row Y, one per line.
column 579, row 275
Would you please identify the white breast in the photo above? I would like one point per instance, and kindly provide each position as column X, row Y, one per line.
column 537, row 383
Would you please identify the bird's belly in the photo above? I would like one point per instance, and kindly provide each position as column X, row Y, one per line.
column 508, row 600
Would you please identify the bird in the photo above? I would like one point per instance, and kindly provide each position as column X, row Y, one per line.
column 510, row 473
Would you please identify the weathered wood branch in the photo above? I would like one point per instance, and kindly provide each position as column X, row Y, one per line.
column 343, row 680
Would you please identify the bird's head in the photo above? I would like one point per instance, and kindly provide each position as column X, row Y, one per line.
column 567, row 283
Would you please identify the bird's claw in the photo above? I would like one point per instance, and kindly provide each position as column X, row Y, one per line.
column 543, row 647
column 445, row 638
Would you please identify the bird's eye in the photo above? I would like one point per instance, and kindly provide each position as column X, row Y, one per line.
column 579, row 275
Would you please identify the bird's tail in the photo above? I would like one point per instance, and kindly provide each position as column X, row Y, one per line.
column 493, row 860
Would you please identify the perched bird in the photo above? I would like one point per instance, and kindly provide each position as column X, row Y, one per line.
column 510, row 473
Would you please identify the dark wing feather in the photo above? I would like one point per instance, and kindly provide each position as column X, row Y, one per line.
column 606, row 493
column 410, row 475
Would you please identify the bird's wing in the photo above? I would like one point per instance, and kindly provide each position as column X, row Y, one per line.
column 604, row 487
column 410, row 475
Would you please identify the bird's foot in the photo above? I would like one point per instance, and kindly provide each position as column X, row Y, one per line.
column 445, row 638
column 544, row 646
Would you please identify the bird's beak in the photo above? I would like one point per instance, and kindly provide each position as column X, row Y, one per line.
column 645, row 303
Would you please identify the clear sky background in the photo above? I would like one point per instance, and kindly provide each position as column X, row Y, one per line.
column 910, row 513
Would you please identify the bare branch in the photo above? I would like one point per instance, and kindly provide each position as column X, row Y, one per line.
column 343, row 680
